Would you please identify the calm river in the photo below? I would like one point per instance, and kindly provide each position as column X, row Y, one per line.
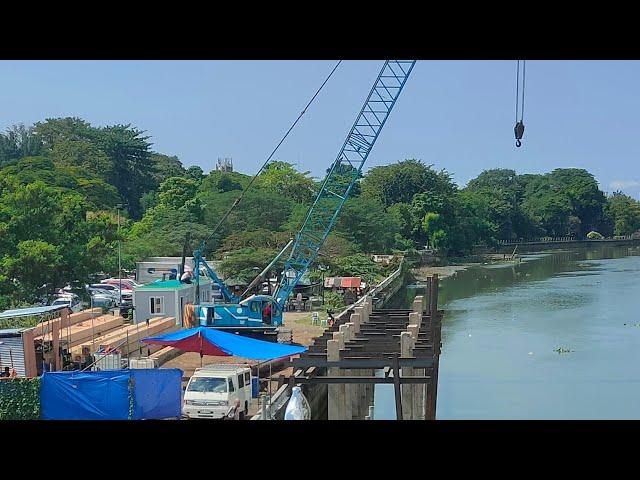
column 504, row 323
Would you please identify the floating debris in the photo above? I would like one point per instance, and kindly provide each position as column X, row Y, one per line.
column 563, row 350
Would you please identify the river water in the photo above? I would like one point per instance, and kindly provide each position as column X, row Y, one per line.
column 503, row 324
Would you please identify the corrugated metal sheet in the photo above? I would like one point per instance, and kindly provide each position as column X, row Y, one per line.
column 25, row 312
column 11, row 347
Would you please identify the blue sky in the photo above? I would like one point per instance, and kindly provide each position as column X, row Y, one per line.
column 456, row 115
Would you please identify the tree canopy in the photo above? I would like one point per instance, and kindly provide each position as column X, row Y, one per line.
column 62, row 179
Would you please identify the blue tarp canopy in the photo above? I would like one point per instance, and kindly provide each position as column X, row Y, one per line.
column 209, row 341
column 26, row 312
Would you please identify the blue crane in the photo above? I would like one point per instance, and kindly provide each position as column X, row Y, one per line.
column 236, row 313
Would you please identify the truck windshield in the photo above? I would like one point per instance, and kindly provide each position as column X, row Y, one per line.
column 207, row 384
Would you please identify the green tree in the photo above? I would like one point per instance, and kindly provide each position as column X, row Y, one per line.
column 194, row 173
column 623, row 212
column 399, row 182
column 165, row 166
column 366, row 223
column 180, row 193
column 33, row 267
column 133, row 168
column 282, row 177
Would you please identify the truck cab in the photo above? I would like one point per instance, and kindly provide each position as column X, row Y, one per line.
column 213, row 390
column 245, row 314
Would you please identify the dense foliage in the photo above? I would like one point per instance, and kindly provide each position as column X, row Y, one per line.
column 63, row 182
column 20, row 399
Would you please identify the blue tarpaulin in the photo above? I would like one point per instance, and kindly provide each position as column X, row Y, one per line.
column 210, row 341
column 157, row 393
column 102, row 395
column 107, row 394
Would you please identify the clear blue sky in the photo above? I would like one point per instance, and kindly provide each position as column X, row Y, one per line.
column 457, row 115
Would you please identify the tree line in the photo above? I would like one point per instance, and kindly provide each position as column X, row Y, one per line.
column 63, row 181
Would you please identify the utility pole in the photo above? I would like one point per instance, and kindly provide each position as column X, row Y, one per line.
column 118, row 207
column 322, row 268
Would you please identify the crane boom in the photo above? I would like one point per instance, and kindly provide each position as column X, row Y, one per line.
column 343, row 174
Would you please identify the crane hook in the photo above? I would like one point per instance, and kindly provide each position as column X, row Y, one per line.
column 519, row 131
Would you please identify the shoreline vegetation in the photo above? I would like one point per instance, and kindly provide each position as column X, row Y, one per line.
column 70, row 192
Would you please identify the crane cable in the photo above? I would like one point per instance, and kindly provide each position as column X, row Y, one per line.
column 239, row 199
column 519, row 128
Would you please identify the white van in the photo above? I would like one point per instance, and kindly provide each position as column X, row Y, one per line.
column 212, row 391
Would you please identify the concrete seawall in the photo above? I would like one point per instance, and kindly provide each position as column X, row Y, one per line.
column 528, row 247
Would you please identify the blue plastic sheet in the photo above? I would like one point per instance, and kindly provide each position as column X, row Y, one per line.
column 157, row 393
column 105, row 395
column 101, row 395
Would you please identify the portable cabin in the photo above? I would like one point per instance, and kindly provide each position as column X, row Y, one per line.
column 167, row 298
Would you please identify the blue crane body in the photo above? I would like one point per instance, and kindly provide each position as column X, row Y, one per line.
column 246, row 314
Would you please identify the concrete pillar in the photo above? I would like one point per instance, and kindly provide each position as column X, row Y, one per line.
column 335, row 393
column 413, row 330
column 406, row 350
column 351, row 390
column 416, row 306
column 418, row 389
column 433, row 303
column 415, row 318
column 356, row 318
column 339, row 336
column 344, row 329
column 364, row 314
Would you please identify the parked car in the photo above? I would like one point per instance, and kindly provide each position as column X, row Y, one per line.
column 127, row 283
column 70, row 300
column 114, row 291
column 213, row 389
column 103, row 300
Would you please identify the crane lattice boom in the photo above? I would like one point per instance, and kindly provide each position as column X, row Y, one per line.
column 343, row 174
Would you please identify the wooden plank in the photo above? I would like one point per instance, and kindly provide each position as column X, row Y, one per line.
column 130, row 334
column 79, row 332
column 73, row 319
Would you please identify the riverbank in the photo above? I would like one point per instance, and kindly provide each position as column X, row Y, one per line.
column 443, row 271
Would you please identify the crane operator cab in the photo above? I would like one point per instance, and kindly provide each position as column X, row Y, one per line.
column 256, row 311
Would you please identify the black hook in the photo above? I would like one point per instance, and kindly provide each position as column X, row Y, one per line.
column 519, row 131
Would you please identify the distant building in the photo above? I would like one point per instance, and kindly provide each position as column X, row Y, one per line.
column 225, row 164
column 383, row 259
column 167, row 298
column 160, row 268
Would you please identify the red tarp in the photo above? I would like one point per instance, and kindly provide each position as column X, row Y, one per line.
column 350, row 282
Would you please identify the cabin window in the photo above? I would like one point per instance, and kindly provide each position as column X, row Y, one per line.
column 231, row 389
column 240, row 381
column 157, row 305
column 247, row 378
column 255, row 307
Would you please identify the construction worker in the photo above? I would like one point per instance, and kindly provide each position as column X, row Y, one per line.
column 266, row 314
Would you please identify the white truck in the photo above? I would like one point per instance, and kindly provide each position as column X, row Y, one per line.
column 213, row 390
